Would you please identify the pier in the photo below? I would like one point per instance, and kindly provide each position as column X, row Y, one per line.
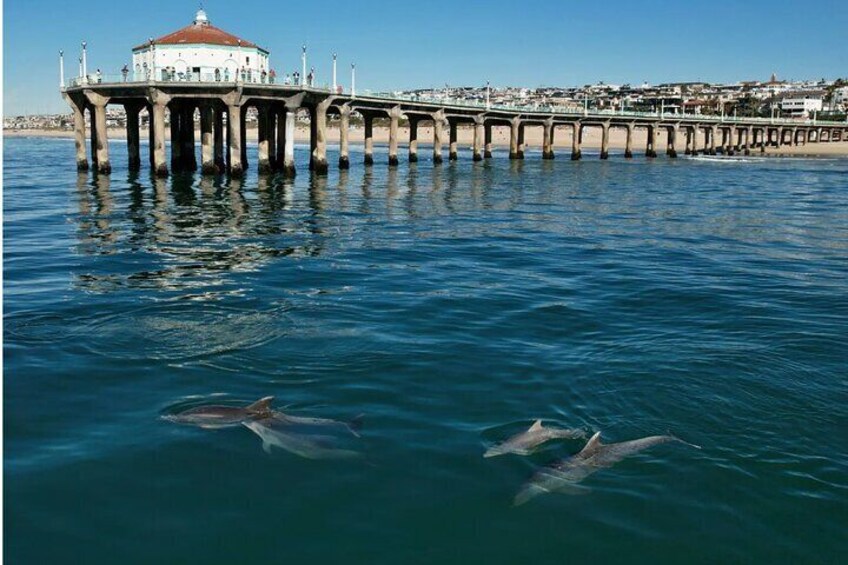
column 222, row 109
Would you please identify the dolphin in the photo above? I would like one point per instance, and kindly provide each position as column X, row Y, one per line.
column 275, row 433
column 564, row 475
column 213, row 417
column 525, row 442
column 300, row 422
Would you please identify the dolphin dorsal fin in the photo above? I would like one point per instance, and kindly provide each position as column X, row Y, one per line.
column 593, row 444
column 262, row 405
column 537, row 425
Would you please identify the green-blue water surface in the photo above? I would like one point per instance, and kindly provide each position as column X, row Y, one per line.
column 452, row 306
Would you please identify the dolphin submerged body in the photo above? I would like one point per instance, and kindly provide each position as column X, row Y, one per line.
column 565, row 475
column 278, row 433
column 526, row 442
column 213, row 417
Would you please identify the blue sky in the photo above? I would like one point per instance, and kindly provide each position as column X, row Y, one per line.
column 398, row 44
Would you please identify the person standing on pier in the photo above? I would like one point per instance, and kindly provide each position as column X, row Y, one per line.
column 125, row 71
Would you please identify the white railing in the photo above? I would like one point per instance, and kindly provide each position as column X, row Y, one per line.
column 212, row 78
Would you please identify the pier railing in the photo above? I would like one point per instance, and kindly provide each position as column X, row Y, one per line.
column 588, row 113
column 213, row 79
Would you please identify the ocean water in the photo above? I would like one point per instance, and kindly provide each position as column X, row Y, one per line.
column 452, row 306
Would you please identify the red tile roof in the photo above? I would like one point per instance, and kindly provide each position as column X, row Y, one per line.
column 200, row 33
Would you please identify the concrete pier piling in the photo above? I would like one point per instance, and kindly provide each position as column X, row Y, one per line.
column 132, row 111
column 671, row 148
column 521, row 142
column 344, row 137
column 479, row 139
column 413, row 139
column 514, row 126
column 548, row 141
column 288, row 168
column 628, row 146
column 187, row 137
column 368, row 128
column 605, row 135
column 729, row 149
column 78, row 108
column 576, row 152
column 487, row 141
column 235, row 121
column 160, row 165
column 264, row 145
column 218, row 140
column 650, row 150
column 100, row 138
column 243, row 137
column 174, row 117
column 394, row 125
column 271, row 126
column 453, row 147
column 438, row 134
column 207, row 140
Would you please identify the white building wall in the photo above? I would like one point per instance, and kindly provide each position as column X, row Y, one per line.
column 801, row 106
column 187, row 60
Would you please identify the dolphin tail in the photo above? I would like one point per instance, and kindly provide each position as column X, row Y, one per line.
column 675, row 438
column 528, row 493
column 355, row 425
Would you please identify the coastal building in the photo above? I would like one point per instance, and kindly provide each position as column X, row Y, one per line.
column 802, row 104
column 201, row 52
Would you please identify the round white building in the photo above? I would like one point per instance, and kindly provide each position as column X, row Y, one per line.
column 201, row 52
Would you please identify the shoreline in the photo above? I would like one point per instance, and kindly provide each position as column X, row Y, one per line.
column 500, row 140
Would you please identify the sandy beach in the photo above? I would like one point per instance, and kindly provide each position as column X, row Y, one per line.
column 500, row 139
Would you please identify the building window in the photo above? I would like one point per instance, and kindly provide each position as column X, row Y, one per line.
column 248, row 60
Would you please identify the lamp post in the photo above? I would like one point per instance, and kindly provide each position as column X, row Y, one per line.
column 488, row 96
column 353, row 80
column 61, row 69
column 152, row 67
column 335, row 86
column 303, row 65
column 239, row 67
column 84, row 64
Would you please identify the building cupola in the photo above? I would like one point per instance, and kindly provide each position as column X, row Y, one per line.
column 201, row 19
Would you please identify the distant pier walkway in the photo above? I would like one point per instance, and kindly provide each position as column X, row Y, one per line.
column 222, row 108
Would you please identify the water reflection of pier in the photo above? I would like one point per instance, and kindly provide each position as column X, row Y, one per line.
column 189, row 232
column 193, row 231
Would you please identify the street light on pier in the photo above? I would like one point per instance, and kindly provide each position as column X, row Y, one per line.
column 303, row 65
column 152, row 67
column 84, row 64
column 335, row 87
column 61, row 69
column 353, row 80
column 240, row 65
column 488, row 96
